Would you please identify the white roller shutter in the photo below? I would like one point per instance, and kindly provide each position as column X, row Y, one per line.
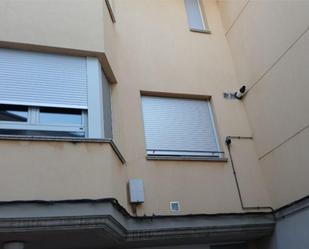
column 39, row 79
column 194, row 14
column 175, row 126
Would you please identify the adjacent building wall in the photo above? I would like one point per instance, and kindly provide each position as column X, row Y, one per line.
column 291, row 229
column 269, row 42
column 292, row 232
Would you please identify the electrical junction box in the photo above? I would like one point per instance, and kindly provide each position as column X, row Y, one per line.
column 136, row 191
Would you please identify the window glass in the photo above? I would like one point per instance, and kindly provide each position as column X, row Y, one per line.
column 13, row 113
column 194, row 14
column 60, row 116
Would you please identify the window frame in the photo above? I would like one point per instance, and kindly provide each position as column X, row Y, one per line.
column 96, row 95
column 33, row 123
column 183, row 154
column 205, row 28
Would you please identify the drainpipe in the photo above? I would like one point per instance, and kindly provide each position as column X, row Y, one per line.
column 228, row 142
column 14, row 245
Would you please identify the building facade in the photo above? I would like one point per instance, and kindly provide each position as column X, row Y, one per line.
column 120, row 128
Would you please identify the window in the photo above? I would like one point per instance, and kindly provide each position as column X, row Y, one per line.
column 52, row 95
column 195, row 17
column 179, row 127
column 22, row 120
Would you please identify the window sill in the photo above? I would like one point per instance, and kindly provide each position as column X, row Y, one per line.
column 66, row 139
column 186, row 158
column 55, row 139
column 205, row 31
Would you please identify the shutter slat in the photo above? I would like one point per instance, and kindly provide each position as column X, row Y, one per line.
column 179, row 126
column 28, row 78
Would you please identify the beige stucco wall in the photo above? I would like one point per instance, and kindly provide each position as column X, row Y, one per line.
column 45, row 170
column 75, row 24
column 230, row 10
column 150, row 48
column 269, row 41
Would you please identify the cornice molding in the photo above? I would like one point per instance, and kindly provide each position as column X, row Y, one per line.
column 105, row 218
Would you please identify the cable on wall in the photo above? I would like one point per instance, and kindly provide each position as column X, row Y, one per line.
column 228, row 142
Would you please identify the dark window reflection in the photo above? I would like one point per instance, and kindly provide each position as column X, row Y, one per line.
column 13, row 113
column 42, row 133
column 235, row 246
column 60, row 116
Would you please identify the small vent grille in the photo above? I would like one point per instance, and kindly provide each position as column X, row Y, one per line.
column 174, row 206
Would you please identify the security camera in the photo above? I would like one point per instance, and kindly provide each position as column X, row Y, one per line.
column 240, row 93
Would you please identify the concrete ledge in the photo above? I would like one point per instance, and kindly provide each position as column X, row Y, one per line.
column 92, row 224
column 66, row 139
column 293, row 208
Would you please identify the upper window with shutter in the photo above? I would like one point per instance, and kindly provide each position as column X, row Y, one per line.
column 179, row 127
column 196, row 20
column 40, row 79
column 51, row 94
